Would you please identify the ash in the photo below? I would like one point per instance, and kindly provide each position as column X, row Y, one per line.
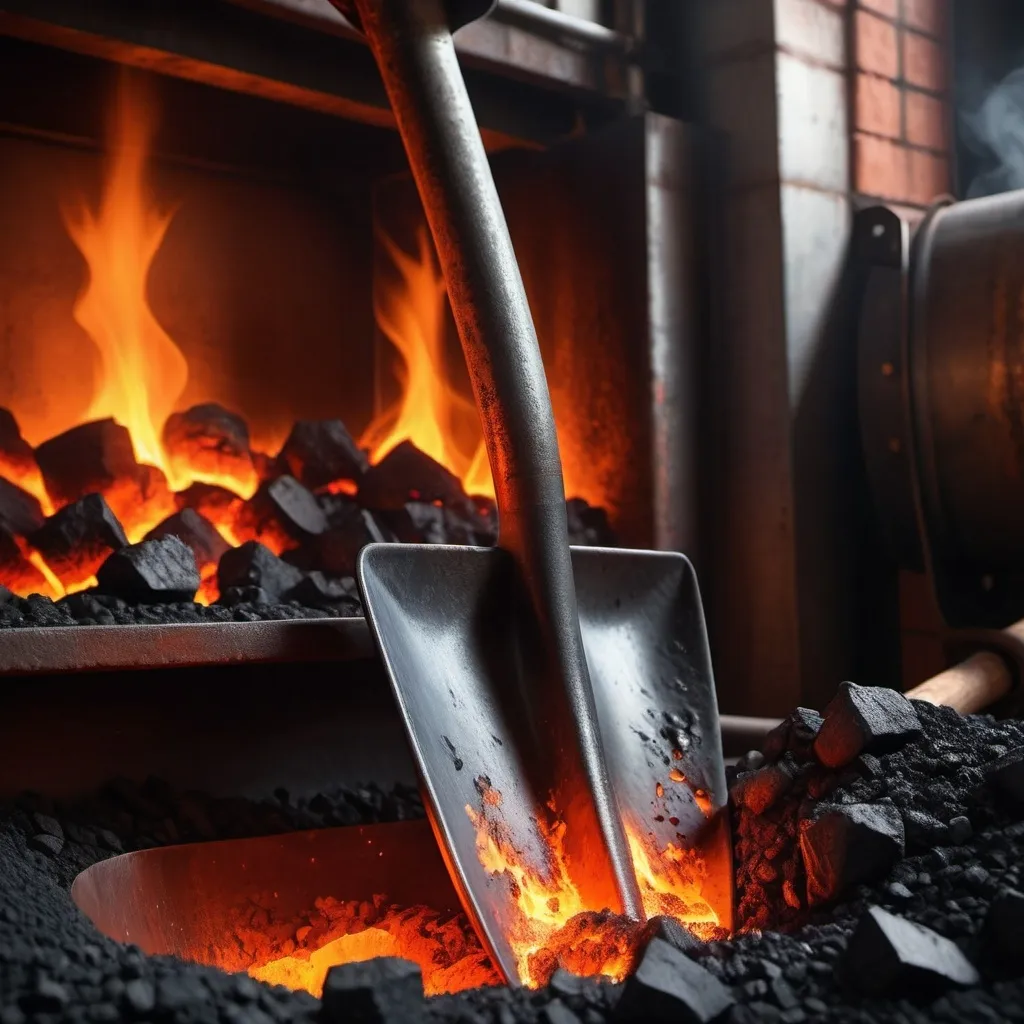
column 923, row 826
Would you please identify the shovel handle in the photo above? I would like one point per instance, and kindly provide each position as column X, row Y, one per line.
column 413, row 47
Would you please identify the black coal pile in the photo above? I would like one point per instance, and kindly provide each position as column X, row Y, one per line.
column 316, row 504
column 880, row 877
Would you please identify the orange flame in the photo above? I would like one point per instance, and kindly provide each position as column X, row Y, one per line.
column 142, row 371
column 551, row 924
column 430, row 412
column 445, row 948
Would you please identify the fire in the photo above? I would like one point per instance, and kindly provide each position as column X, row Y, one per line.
column 447, row 950
column 430, row 412
column 141, row 374
column 552, row 926
column 142, row 371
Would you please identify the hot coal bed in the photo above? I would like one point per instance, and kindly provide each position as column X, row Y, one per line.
column 317, row 504
column 877, row 873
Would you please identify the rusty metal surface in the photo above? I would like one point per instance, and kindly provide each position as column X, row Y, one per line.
column 49, row 649
column 522, row 39
column 183, row 900
column 292, row 60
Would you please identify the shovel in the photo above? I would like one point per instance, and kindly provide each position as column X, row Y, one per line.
column 570, row 753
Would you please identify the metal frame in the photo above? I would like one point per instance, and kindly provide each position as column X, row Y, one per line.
column 895, row 425
column 45, row 650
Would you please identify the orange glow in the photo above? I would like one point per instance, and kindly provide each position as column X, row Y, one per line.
column 430, row 412
column 671, row 882
column 29, row 479
column 142, row 373
column 551, row 925
column 447, row 952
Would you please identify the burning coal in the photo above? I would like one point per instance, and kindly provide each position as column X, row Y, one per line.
column 158, row 466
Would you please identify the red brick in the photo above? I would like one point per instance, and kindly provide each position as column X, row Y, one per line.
column 876, row 45
column 929, row 177
column 881, row 167
column 877, row 107
column 930, row 16
column 887, row 8
column 927, row 120
column 924, row 62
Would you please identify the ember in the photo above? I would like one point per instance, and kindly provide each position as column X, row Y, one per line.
column 447, row 951
column 553, row 928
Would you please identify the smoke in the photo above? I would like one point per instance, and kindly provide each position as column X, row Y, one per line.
column 995, row 132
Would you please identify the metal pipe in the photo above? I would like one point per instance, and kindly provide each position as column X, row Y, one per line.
column 546, row 23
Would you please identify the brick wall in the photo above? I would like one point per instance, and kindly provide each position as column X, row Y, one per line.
column 900, row 102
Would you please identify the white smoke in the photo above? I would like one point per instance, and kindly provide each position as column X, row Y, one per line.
column 995, row 131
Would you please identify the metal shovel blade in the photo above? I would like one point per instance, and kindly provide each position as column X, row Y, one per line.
column 458, row 648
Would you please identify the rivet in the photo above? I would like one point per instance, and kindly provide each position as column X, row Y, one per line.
column 895, row 446
column 878, row 230
column 987, row 582
column 888, row 369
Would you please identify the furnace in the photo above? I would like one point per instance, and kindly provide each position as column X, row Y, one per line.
column 231, row 363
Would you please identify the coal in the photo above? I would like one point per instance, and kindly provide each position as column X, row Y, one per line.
column 556, row 1012
column 387, row 990
column 139, row 997
column 16, row 571
column 321, row 452
column 94, row 457
column 849, row 844
column 282, row 511
column 890, row 955
column 79, row 538
column 588, row 525
column 151, row 572
column 762, row 789
column 1003, row 932
column 864, row 718
column 795, row 734
column 668, row 986
column 47, row 844
column 253, row 565
column 317, row 591
column 422, row 522
column 1006, row 775
column 20, row 512
column 196, row 532
column 407, row 474
column 209, row 439
column 335, row 551
column 17, row 459
column 218, row 504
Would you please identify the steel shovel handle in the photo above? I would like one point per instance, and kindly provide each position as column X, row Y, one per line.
column 413, row 46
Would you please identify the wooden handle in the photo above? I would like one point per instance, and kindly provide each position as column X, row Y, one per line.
column 974, row 684
column 971, row 686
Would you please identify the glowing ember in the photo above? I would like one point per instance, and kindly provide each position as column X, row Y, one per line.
column 447, row 950
column 551, row 926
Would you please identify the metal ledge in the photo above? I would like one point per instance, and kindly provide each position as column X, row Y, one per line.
column 525, row 90
column 46, row 650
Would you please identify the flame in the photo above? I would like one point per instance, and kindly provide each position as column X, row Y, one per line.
column 552, row 927
column 430, row 412
column 447, row 951
column 142, row 371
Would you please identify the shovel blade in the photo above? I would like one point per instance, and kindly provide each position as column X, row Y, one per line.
column 457, row 650
column 650, row 666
